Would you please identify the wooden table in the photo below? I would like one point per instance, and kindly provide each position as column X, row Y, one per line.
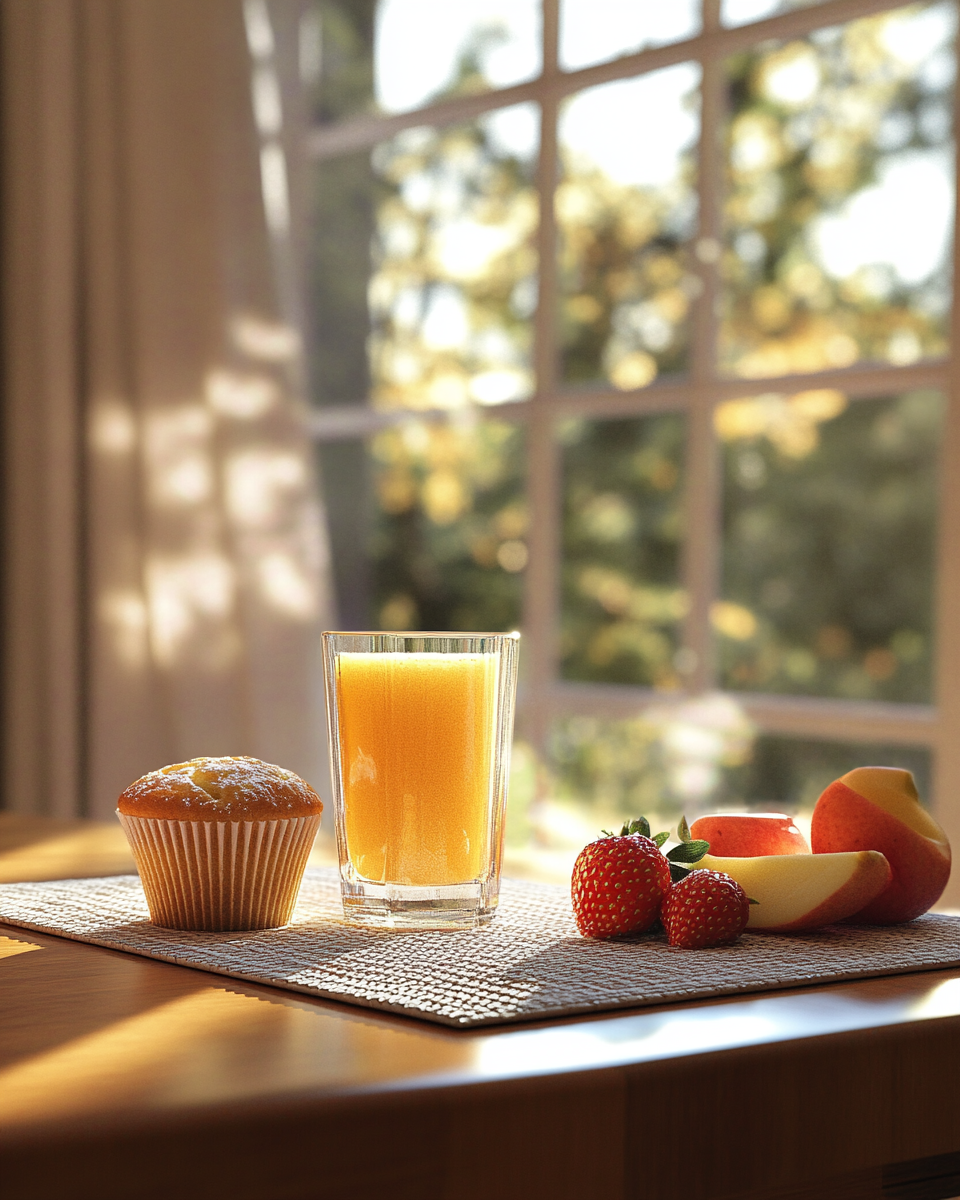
column 122, row 1078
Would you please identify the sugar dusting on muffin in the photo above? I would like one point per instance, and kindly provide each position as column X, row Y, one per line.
column 220, row 843
column 220, row 789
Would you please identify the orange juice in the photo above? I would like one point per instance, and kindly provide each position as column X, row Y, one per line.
column 417, row 750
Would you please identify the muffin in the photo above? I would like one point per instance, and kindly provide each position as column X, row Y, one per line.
column 220, row 843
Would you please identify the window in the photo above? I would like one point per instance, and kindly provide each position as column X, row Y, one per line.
column 630, row 325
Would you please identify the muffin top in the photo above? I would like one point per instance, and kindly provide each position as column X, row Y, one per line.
column 220, row 789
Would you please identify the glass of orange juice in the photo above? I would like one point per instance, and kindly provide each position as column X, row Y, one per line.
column 421, row 726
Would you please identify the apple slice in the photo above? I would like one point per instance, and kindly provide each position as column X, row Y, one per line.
column 877, row 808
column 745, row 835
column 805, row 891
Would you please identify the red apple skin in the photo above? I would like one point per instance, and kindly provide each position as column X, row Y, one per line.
column 845, row 820
column 835, row 908
column 749, row 835
column 772, row 879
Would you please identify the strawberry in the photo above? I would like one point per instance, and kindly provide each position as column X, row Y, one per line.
column 706, row 908
column 619, row 882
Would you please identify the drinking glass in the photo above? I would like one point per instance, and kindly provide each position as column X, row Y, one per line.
column 421, row 726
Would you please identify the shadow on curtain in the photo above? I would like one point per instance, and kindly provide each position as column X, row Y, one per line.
column 165, row 571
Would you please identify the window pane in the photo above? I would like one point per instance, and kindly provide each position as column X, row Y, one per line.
column 626, row 205
column 622, row 602
column 742, row 12
column 789, row 774
column 593, row 31
column 840, row 197
column 690, row 758
column 429, row 524
column 424, row 267
column 396, row 55
column 336, row 57
column 828, row 544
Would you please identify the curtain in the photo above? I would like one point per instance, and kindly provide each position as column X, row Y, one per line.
column 165, row 572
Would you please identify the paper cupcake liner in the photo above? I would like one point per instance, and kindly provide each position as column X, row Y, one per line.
column 218, row 875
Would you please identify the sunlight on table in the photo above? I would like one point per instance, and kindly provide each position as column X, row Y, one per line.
column 9, row 947
column 29, row 849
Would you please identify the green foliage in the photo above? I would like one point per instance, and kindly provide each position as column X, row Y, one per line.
column 622, row 603
column 448, row 547
column 788, row 774
column 345, row 86
column 812, row 123
column 626, row 288
column 830, row 554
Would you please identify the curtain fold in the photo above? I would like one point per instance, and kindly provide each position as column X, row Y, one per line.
column 166, row 576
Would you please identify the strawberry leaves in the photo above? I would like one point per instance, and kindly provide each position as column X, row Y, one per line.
column 690, row 850
column 681, row 857
column 639, row 825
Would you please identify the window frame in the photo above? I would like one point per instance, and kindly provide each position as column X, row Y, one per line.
column 545, row 695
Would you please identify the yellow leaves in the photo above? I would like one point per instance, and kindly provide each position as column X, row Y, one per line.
column 756, row 143
column 824, row 125
column 771, row 308
column 820, row 404
column 510, row 555
column 399, row 612
column 513, row 556
column 456, row 232
column 673, row 304
column 834, row 163
column 607, row 518
column 811, row 343
column 577, row 203
column 663, row 270
column 733, row 620
column 790, row 423
column 805, row 280
column 790, row 76
column 664, row 475
column 585, row 310
column 841, row 350
column 637, row 223
column 448, row 389
column 444, row 497
column 396, row 491
column 634, row 370
column 617, row 595
column 439, row 468
column 512, row 521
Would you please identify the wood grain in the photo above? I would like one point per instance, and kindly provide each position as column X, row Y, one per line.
column 121, row 1077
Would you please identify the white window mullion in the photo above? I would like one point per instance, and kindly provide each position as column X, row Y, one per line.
column 540, row 615
column 701, row 550
column 946, row 769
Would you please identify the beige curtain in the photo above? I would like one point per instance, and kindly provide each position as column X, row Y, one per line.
column 164, row 570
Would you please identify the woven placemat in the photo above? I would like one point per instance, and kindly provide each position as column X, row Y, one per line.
column 528, row 963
